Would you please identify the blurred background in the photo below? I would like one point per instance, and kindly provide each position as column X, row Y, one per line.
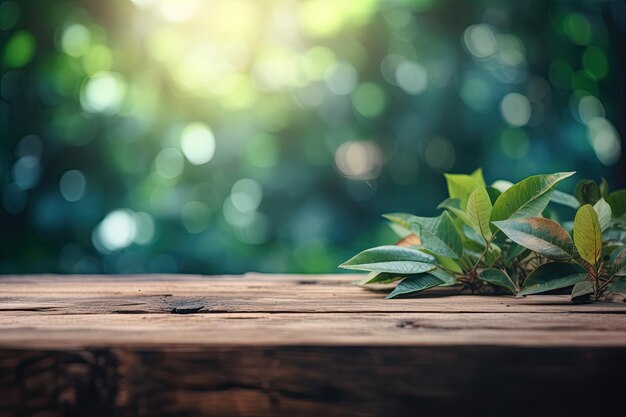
column 224, row 136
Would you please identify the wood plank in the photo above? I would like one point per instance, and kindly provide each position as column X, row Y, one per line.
column 299, row 345
column 260, row 310
column 313, row 381
column 320, row 329
column 254, row 293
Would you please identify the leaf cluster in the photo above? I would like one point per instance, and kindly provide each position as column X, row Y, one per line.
column 504, row 238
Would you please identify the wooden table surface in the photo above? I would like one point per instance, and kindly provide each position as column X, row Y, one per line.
column 298, row 345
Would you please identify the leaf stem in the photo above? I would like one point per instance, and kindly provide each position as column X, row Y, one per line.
column 596, row 277
column 605, row 284
column 483, row 254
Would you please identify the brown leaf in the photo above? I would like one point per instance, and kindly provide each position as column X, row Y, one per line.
column 408, row 241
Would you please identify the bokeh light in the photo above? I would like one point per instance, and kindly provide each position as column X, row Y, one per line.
column 103, row 93
column 515, row 109
column 72, row 185
column 361, row 160
column 198, row 143
column 237, row 135
column 116, row 231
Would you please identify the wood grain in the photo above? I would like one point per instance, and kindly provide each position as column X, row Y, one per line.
column 299, row 346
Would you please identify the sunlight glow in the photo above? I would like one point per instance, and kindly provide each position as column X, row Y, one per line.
column 103, row 93
column 198, row 143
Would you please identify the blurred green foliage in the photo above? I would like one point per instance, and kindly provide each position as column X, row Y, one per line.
column 268, row 135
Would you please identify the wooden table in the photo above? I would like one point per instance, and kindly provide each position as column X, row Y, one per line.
column 299, row 346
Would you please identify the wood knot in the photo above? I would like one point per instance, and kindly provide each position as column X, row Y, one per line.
column 408, row 324
column 187, row 308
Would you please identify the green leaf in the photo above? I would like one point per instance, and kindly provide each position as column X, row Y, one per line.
column 499, row 278
column 514, row 251
column 461, row 186
column 618, row 286
column 607, row 250
column 381, row 278
column 479, row 211
column 432, row 243
column 617, row 261
column 446, row 231
column 392, row 259
column 582, row 289
column 405, row 220
column 568, row 226
column 454, row 205
column 527, row 198
column 415, row 284
column 443, row 239
column 388, row 278
column 620, row 221
column 478, row 176
column 550, row 214
column 614, row 235
column 447, row 263
column 401, row 219
column 564, row 199
column 587, row 192
column 539, row 235
column 400, row 231
column 587, row 234
column 551, row 276
column 603, row 210
column 617, row 201
column 447, row 278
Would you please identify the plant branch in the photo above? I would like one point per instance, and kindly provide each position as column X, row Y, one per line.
column 605, row 284
column 473, row 271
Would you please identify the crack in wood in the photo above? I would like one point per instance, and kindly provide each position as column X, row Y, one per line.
column 29, row 309
column 187, row 309
column 415, row 324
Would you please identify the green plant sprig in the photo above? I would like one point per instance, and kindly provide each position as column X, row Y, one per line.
column 498, row 238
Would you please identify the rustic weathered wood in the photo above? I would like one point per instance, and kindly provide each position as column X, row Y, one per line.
column 299, row 346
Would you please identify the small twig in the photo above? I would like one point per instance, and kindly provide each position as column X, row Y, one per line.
column 472, row 272
column 604, row 286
